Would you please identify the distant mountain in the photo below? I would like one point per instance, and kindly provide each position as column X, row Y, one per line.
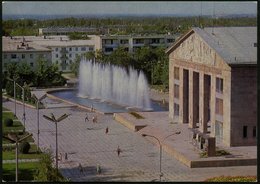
column 44, row 17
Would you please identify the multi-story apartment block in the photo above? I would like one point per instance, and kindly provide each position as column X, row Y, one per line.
column 68, row 30
column 18, row 49
column 65, row 51
column 109, row 43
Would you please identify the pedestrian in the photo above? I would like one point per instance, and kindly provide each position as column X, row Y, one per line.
column 86, row 118
column 60, row 157
column 80, row 168
column 66, row 156
column 98, row 169
column 118, row 151
column 106, row 130
column 93, row 119
column 92, row 109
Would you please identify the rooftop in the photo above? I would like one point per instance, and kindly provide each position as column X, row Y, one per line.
column 51, row 41
column 20, row 45
column 236, row 45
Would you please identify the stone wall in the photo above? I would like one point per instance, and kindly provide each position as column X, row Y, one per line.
column 243, row 104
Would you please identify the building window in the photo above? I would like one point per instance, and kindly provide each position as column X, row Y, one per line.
column 254, row 131
column 76, row 49
column 170, row 40
column 109, row 42
column 57, row 55
column 31, row 64
column 219, row 85
column 70, row 61
column 70, row 55
column 244, row 131
column 31, row 56
column 176, row 73
column 13, row 56
column 83, row 48
column 23, row 56
column 139, row 41
column 123, row 41
column 91, row 49
column 5, row 56
column 155, row 41
column 176, row 91
column 219, row 106
column 56, row 49
column 70, row 49
column 108, row 49
column 176, row 109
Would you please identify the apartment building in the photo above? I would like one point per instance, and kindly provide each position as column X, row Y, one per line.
column 213, row 83
column 109, row 43
column 18, row 50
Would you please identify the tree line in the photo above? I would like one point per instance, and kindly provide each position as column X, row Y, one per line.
column 126, row 25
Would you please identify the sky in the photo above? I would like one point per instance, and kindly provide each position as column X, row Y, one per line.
column 128, row 7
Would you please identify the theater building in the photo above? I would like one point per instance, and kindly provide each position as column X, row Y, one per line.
column 213, row 83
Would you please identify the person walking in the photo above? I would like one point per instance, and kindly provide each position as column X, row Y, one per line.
column 80, row 168
column 98, row 169
column 118, row 151
column 86, row 118
column 106, row 130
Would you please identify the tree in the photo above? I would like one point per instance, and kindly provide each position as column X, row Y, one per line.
column 45, row 172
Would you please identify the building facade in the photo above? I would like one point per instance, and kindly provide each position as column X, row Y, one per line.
column 18, row 50
column 212, row 83
column 109, row 43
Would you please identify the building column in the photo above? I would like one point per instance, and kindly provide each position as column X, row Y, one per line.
column 213, row 105
column 202, row 123
column 192, row 124
column 171, row 90
column 181, row 96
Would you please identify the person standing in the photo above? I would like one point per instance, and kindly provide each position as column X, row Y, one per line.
column 106, row 130
column 86, row 118
column 118, row 151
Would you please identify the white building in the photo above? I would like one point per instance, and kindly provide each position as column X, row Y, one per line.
column 18, row 49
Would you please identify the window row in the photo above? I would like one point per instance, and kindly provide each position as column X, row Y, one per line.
column 75, row 49
column 24, row 56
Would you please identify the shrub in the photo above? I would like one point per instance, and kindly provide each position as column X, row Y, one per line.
column 8, row 122
column 24, row 147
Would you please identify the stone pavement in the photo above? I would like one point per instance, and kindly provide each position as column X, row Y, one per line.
column 86, row 143
column 180, row 145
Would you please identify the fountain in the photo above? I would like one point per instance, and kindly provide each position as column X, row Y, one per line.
column 113, row 84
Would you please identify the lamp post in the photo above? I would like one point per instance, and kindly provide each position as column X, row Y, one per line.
column 13, row 80
column 23, row 105
column 54, row 120
column 38, row 99
column 14, row 139
column 144, row 135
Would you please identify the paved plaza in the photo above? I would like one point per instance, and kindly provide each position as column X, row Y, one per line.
column 86, row 143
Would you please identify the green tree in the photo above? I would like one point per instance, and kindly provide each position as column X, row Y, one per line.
column 45, row 172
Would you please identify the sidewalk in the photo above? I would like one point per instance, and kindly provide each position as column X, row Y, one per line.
column 180, row 146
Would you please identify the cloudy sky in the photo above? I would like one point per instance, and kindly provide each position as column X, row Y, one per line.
column 128, row 7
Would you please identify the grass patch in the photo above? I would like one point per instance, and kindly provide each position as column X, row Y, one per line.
column 10, row 155
column 232, row 179
column 9, row 115
column 5, row 109
column 25, row 171
column 136, row 115
column 218, row 153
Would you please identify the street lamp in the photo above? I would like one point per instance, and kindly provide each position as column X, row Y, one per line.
column 54, row 120
column 144, row 135
column 14, row 139
column 23, row 105
column 14, row 79
column 38, row 99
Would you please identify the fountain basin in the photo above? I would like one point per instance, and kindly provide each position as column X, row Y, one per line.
column 107, row 107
